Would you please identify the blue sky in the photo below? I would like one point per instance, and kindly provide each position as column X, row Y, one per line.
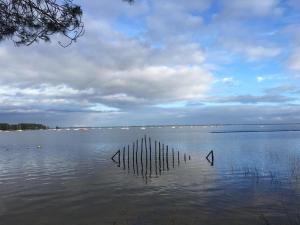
column 161, row 62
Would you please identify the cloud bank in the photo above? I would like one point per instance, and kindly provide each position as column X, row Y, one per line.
column 158, row 62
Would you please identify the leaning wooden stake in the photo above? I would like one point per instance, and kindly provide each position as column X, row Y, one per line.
column 113, row 157
column 118, row 152
column 212, row 158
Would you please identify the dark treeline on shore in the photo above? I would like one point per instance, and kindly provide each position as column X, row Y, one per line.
column 22, row 126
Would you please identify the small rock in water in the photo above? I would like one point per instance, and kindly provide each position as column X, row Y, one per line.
column 39, row 146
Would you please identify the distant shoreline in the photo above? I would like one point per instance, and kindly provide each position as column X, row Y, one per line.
column 184, row 125
column 22, row 126
column 33, row 126
column 254, row 131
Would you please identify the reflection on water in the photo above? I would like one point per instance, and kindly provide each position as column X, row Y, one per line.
column 71, row 179
column 141, row 159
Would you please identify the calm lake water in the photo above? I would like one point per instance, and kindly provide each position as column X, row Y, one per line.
column 67, row 177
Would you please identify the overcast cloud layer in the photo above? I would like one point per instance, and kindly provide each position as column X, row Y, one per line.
column 161, row 62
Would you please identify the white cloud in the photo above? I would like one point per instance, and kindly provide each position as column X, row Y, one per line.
column 104, row 68
column 253, row 8
column 43, row 90
column 251, row 99
column 227, row 80
column 251, row 51
column 150, row 53
column 260, row 79
column 276, row 77
column 260, row 52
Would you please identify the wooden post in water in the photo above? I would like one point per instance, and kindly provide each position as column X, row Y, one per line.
column 133, row 167
column 184, row 158
column 119, row 158
column 167, row 156
column 210, row 160
column 173, row 156
column 118, row 152
column 163, row 156
column 178, row 159
column 159, row 158
column 150, row 156
column 124, row 158
column 113, row 157
column 142, row 165
column 145, row 138
column 155, row 152
column 136, row 157
column 128, row 166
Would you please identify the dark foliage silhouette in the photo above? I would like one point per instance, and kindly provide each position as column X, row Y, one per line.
column 29, row 21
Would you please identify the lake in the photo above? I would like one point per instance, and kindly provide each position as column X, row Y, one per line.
column 67, row 177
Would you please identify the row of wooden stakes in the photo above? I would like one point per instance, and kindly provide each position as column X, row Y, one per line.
column 147, row 158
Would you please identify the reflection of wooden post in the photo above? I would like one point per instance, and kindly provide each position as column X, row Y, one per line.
column 178, row 159
column 184, row 158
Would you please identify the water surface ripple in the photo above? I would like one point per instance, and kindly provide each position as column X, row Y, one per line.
column 67, row 177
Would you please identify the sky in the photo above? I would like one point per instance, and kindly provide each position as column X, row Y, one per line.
column 161, row 62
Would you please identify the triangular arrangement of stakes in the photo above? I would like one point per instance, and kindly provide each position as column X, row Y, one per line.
column 150, row 158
